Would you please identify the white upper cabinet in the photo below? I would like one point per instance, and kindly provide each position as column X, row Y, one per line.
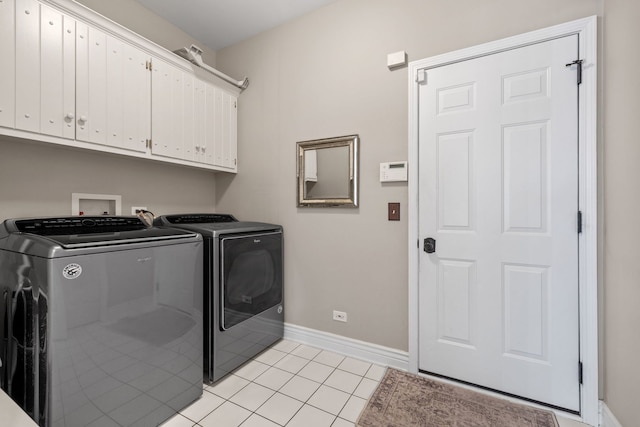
column 7, row 67
column 71, row 77
column 44, row 52
column 192, row 119
column 112, row 92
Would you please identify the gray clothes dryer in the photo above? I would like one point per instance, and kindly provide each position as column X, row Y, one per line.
column 100, row 320
column 243, row 287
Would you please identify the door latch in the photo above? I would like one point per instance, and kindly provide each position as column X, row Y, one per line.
column 429, row 245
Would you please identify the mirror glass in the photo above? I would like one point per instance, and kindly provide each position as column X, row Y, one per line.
column 328, row 172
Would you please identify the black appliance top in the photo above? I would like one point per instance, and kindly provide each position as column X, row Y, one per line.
column 205, row 218
column 87, row 231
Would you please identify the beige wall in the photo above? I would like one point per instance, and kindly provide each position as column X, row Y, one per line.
column 132, row 15
column 621, row 206
column 325, row 75
column 37, row 179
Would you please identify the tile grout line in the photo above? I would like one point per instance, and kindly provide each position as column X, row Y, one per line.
column 210, row 388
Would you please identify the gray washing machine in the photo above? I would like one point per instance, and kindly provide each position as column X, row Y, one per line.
column 100, row 320
column 243, row 287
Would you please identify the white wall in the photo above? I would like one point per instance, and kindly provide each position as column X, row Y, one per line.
column 325, row 75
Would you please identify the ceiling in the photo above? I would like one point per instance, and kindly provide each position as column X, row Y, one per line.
column 222, row 23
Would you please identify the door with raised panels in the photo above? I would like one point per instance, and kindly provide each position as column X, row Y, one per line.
column 498, row 190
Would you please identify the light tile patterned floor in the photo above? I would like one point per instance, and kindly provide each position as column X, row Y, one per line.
column 291, row 385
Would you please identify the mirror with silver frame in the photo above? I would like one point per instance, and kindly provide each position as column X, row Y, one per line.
column 327, row 171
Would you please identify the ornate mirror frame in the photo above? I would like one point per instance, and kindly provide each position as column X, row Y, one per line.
column 310, row 171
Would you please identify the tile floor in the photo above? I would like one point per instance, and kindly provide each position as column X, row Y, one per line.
column 293, row 385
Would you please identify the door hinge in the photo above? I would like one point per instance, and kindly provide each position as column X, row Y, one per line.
column 580, row 375
column 577, row 62
column 579, row 221
column 149, row 65
column 421, row 76
column 418, row 243
column 149, row 143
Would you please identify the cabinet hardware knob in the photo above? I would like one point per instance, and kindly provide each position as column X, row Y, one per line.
column 50, row 22
column 69, row 116
column 82, row 119
column 50, row 121
column 27, row 116
column 27, row 12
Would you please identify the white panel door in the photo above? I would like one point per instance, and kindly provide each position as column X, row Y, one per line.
column 498, row 189
column 229, row 138
column 128, row 96
column 91, row 85
column 113, row 91
column 44, row 70
column 201, row 123
column 167, row 109
column 7, row 66
column 189, row 130
column 209, row 145
column 27, row 96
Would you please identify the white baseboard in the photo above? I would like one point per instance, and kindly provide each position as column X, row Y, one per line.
column 373, row 353
column 607, row 419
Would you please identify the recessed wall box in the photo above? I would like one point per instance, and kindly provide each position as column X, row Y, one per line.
column 393, row 171
column 95, row 204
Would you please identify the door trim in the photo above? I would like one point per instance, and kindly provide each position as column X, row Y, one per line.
column 588, row 195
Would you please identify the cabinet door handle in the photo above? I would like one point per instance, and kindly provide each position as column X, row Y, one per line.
column 69, row 116
column 82, row 119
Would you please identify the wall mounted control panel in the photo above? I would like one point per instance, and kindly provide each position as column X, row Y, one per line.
column 393, row 171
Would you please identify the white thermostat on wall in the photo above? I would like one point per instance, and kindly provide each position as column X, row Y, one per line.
column 393, row 171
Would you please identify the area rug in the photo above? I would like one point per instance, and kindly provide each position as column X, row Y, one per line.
column 407, row 400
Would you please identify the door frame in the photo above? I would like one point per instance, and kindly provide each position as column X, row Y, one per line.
column 586, row 29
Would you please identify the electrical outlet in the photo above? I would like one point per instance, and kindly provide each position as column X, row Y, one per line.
column 136, row 209
column 340, row 316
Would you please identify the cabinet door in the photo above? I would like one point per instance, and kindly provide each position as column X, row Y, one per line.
column 27, row 64
column 224, row 115
column 44, row 89
column 230, row 131
column 200, row 121
column 129, row 111
column 112, row 91
column 7, row 65
column 189, row 130
column 91, row 84
column 207, row 148
column 167, row 109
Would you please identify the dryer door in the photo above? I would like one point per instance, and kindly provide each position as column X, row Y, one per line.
column 251, row 275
